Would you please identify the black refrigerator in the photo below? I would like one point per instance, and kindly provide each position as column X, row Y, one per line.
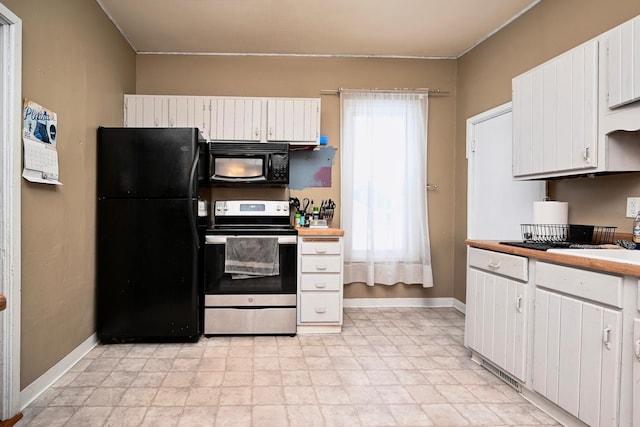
column 146, row 233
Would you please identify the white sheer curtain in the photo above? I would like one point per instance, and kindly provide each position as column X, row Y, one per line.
column 384, row 206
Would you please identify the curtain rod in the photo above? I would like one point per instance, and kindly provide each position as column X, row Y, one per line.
column 395, row 90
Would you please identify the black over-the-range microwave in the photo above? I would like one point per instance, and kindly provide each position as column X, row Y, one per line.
column 248, row 163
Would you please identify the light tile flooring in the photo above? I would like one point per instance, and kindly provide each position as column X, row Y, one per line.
column 389, row 367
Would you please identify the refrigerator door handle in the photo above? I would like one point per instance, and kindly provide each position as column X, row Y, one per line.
column 191, row 211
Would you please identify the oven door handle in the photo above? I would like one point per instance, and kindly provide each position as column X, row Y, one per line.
column 221, row 240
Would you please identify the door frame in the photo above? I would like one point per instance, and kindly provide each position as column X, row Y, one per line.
column 10, row 209
column 472, row 122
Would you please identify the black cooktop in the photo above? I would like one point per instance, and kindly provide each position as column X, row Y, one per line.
column 543, row 246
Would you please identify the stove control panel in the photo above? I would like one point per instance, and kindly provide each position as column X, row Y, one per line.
column 251, row 208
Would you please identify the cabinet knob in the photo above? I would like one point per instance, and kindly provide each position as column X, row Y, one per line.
column 637, row 349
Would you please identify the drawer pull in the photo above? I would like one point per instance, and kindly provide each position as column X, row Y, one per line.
column 606, row 337
column 637, row 349
column 321, row 251
column 321, row 285
column 494, row 264
column 519, row 304
column 321, row 267
column 321, row 310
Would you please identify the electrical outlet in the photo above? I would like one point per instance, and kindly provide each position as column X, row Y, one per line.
column 633, row 206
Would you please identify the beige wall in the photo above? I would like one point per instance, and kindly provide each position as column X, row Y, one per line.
column 484, row 81
column 77, row 64
column 305, row 77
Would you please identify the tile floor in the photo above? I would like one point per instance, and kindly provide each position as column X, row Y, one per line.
column 389, row 367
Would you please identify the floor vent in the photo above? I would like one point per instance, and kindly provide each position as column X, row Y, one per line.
column 502, row 375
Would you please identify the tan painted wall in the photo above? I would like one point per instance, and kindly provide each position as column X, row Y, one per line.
column 77, row 64
column 484, row 81
column 305, row 77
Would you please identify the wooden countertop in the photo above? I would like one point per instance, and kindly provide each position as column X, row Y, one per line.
column 305, row 231
column 570, row 260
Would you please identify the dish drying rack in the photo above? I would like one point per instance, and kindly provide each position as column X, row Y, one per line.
column 574, row 233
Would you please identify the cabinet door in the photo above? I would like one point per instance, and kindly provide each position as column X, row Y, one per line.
column 623, row 64
column 236, row 119
column 172, row 111
column 636, row 371
column 555, row 115
column 185, row 112
column 202, row 115
column 130, row 108
column 576, row 357
column 294, row 120
column 496, row 320
column 154, row 112
column 146, row 111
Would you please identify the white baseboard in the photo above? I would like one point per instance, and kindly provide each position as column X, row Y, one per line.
column 46, row 380
column 398, row 302
column 460, row 306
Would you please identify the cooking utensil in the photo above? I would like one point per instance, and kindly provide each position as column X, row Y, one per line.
column 305, row 202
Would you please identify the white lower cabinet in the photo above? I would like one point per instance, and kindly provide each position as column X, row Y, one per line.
column 320, row 283
column 577, row 344
column 636, row 372
column 496, row 309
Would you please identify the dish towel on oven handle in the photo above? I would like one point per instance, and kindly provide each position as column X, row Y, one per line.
column 247, row 257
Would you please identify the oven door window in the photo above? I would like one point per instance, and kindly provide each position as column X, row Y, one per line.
column 217, row 282
column 238, row 168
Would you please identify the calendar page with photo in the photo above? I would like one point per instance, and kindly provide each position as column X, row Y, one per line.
column 39, row 136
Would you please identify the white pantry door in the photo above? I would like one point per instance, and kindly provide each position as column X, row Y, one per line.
column 496, row 204
column 10, row 176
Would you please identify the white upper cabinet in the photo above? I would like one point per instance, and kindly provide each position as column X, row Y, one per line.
column 579, row 113
column 555, row 114
column 293, row 120
column 624, row 63
column 237, row 119
column 145, row 111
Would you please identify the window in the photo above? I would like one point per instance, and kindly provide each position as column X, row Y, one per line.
column 383, row 188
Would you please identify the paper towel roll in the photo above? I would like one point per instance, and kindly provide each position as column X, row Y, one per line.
column 550, row 212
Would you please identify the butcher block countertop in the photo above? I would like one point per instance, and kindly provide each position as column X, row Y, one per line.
column 306, row 231
column 566, row 259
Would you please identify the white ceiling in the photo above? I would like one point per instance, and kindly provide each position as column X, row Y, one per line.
column 384, row 28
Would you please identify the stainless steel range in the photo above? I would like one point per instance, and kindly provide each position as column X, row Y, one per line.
column 250, row 274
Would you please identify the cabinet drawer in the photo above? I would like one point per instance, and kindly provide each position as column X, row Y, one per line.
column 321, row 264
column 598, row 287
column 318, row 246
column 320, row 307
column 508, row 265
column 320, row 282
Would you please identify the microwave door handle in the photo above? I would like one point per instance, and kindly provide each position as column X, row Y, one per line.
column 191, row 210
column 236, row 180
column 268, row 171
